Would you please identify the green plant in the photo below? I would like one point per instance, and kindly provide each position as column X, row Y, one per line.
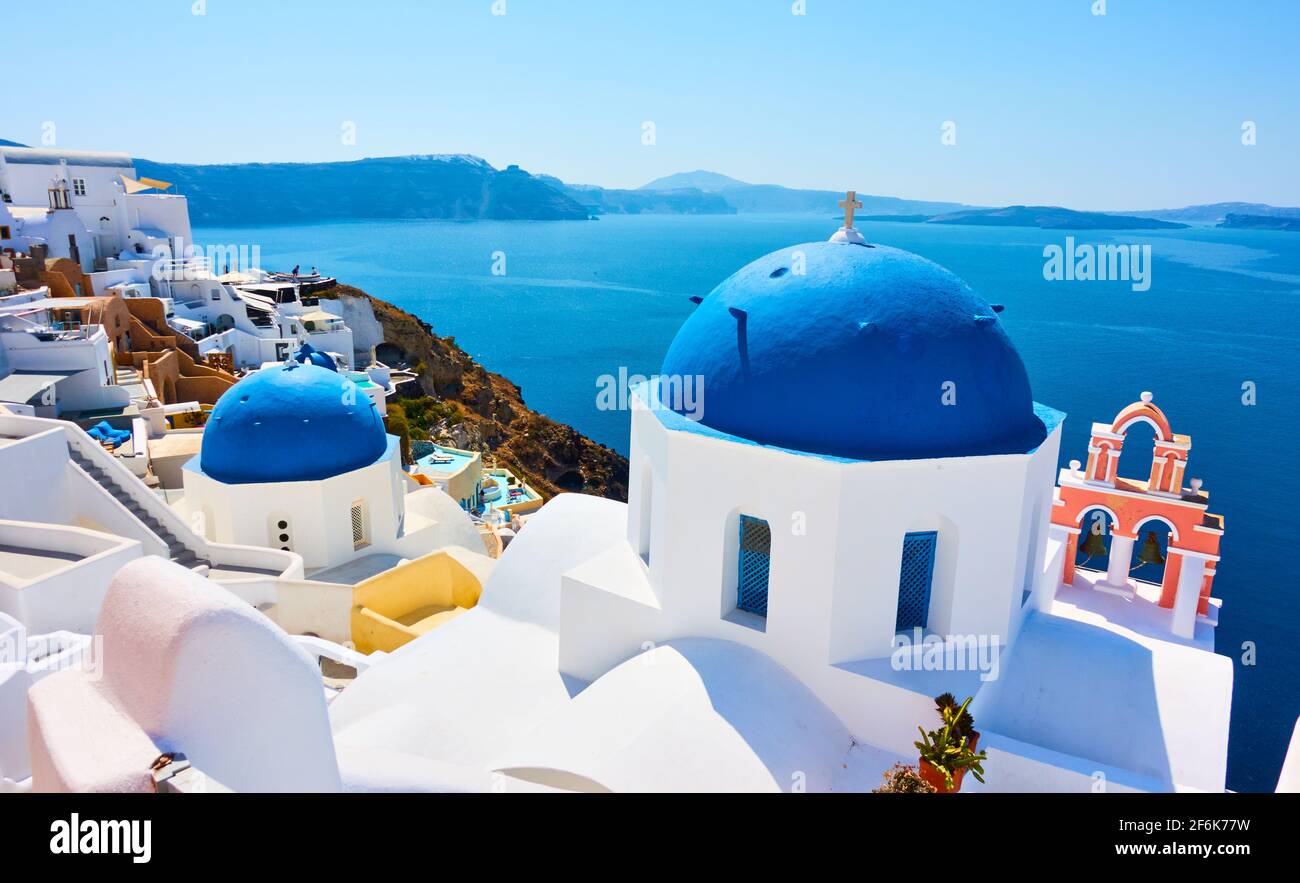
column 902, row 778
column 965, row 723
column 947, row 749
column 396, row 423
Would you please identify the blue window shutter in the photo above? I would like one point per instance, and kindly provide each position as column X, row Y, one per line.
column 914, row 579
column 754, row 565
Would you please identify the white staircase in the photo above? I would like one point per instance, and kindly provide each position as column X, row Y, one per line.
column 113, row 481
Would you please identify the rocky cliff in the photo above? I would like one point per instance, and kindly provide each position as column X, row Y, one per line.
column 452, row 187
column 466, row 406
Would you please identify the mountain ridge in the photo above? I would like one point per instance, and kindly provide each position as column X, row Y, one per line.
column 429, row 186
column 700, row 179
column 459, row 186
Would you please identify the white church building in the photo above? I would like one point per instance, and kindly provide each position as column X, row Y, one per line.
column 814, row 514
column 295, row 457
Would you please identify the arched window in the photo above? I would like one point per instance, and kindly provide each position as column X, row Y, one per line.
column 915, row 576
column 754, row 565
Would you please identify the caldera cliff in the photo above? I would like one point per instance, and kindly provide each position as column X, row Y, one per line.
column 462, row 404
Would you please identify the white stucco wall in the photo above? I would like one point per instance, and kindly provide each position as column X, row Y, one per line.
column 318, row 513
column 837, row 533
column 67, row 596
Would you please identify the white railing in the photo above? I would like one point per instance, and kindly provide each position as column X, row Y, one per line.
column 276, row 563
column 319, row 648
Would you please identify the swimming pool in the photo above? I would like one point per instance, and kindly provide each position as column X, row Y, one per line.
column 517, row 497
column 444, row 462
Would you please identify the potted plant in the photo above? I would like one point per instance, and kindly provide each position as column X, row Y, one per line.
column 965, row 723
column 948, row 752
column 902, row 778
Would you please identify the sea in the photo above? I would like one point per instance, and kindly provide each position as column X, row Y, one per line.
column 561, row 307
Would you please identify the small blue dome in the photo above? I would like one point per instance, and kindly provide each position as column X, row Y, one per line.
column 853, row 356
column 308, row 353
column 296, row 422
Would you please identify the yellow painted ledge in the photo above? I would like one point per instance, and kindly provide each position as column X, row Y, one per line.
column 400, row 604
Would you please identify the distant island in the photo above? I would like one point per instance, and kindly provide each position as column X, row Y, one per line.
column 1051, row 217
column 1235, row 221
column 1216, row 212
column 774, row 199
column 1045, row 217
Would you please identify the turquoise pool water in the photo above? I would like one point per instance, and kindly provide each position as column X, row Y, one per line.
column 508, row 495
column 458, row 462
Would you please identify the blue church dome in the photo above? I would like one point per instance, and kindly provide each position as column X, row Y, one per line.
column 869, row 353
column 296, row 422
column 308, row 353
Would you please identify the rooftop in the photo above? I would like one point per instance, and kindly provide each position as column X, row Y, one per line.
column 27, row 563
column 352, row 572
column 51, row 156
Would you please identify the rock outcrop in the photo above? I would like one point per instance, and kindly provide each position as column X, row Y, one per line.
column 467, row 406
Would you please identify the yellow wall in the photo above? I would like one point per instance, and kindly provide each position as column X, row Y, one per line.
column 437, row 582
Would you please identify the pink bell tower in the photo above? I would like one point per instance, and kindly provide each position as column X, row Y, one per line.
column 1194, row 532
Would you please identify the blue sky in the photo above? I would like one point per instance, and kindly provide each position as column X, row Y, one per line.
column 1139, row 108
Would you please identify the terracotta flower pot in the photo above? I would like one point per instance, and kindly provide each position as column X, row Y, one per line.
column 935, row 778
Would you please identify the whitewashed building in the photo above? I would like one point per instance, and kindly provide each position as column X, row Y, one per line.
column 85, row 205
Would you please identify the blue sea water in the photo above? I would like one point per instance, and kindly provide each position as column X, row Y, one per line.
column 582, row 300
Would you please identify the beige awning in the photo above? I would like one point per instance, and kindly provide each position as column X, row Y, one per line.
column 237, row 278
column 136, row 186
column 320, row 316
